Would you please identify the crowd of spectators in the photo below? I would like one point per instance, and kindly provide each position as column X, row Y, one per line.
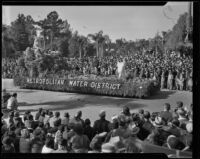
column 8, row 67
column 173, row 72
column 48, row 132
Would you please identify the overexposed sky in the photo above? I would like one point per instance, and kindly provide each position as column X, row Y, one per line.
column 129, row 22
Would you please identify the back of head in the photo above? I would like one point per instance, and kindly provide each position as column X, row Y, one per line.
column 40, row 110
column 78, row 114
column 126, row 110
column 121, row 120
column 167, row 106
column 87, row 121
column 49, row 142
column 174, row 143
column 141, row 111
column 66, row 115
column 57, row 114
column 179, row 104
column 78, row 128
column 14, row 95
column 102, row 114
column 147, row 115
column 175, row 122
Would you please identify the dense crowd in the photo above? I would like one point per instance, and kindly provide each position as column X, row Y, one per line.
column 8, row 67
column 174, row 72
column 48, row 132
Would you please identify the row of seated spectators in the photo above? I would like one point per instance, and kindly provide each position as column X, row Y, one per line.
column 48, row 132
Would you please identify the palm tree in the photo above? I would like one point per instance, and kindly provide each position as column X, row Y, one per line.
column 100, row 41
column 83, row 41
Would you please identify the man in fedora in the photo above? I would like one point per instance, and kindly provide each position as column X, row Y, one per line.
column 101, row 125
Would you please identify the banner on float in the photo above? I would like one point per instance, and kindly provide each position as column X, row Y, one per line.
column 74, row 83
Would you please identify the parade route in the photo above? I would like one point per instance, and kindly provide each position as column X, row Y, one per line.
column 91, row 105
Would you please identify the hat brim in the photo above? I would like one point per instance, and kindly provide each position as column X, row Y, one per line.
column 136, row 131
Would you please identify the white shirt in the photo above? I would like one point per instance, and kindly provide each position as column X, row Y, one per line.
column 47, row 150
column 12, row 103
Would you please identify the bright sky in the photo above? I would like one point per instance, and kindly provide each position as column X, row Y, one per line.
column 129, row 22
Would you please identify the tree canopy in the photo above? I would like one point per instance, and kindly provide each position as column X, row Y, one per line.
column 59, row 36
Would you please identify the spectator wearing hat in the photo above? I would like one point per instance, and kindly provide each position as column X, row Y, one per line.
column 179, row 105
column 77, row 119
column 126, row 113
column 65, row 120
column 49, row 145
column 79, row 143
column 182, row 118
column 166, row 114
column 101, row 125
column 122, row 131
column 161, row 134
column 26, row 114
column 147, row 127
column 17, row 119
column 174, row 128
column 88, row 130
column 7, row 145
column 25, row 142
column 37, row 115
column 174, row 143
column 12, row 102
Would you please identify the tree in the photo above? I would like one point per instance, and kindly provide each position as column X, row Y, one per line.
column 53, row 22
column 74, row 45
column 23, row 32
column 82, row 41
column 178, row 33
column 8, row 43
column 100, row 41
